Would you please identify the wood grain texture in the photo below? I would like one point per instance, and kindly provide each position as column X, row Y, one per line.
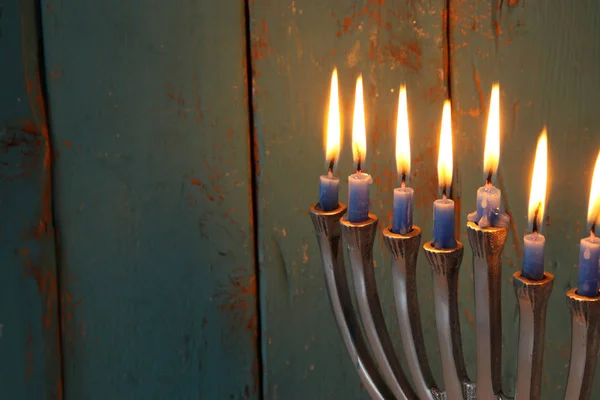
column 295, row 45
column 150, row 123
column 29, row 323
column 545, row 55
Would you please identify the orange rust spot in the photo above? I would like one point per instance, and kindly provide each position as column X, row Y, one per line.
column 497, row 28
column 347, row 23
column 239, row 296
column 478, row 85
column 67, row 143
column 260, row 48
column 470, row 318
column 195, row 182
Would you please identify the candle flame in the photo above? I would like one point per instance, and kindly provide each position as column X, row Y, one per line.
column 445, row 151
column 491, row 154
column 402, row 136
column 359, row 134
column 332, row 146
column 594, row 207
column 539, row 181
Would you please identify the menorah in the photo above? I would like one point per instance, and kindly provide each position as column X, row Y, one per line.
column 374, row 357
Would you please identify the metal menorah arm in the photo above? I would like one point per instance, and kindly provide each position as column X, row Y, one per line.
column 328, row 232
column 487, row 245
column 445, row 266
column 359, row 239
column 404, row 250
column 381, row 372
column 585, row 325
column 533, row 302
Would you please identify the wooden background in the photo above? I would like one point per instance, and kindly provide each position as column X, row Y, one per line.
column 157, row 161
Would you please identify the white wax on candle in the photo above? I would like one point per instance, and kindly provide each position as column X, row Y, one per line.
column 488, row 208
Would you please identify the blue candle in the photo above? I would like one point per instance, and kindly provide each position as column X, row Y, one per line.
column 589, row 248
column 443, row 209
column 358, row 197
column 488, row 196
column 443, row 224
column 488, row 205
column 589, row 265
column 533, row 256
column 329, row 185
column 402, row 222
column 329, row 192
column 359, row 182
column 533, row 244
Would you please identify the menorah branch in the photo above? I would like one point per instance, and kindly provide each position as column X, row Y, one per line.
column 404, row 250
column 328, row 232
column 445, row 266
column 487, row 245
column 585, row 324
column 359, row 238
column 533, row 302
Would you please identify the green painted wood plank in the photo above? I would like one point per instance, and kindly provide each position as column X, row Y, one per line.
column 29, row 328
column 150, row 120
column 546, row 56
column 295, row 46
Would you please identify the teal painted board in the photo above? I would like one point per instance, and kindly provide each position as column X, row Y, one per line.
column 150, row 120
column 29, row 322
column 295, row 45
column 545, row 54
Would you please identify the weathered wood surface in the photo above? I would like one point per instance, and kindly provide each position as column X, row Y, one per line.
column 150, row 132
column 295, row 45
column 545, row 55
column 29, row 327
column 150, row 128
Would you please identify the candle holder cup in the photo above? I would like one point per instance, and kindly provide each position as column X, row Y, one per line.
column 373, row 354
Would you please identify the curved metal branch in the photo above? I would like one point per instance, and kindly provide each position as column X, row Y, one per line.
column 487, row 245
column 533, row 302
column 585, row 326
column 359, row 238
column 404, row 250
column 445, row 266
column 327, row 228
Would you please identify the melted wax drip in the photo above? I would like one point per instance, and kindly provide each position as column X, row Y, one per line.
column 497, row 219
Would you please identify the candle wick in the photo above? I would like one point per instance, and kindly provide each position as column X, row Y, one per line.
column 593, row 230
column 331, row 164
column 358, row 165
column 444, row 197
column 535, row 219
column 488, row 180
column 403, row 183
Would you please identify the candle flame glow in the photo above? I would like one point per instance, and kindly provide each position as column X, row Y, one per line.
column 402, row 135
column 332, row 146
column 444, row 166
column 491, row 154
column 359, row 134
column 594, row 207
column 539, row 181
